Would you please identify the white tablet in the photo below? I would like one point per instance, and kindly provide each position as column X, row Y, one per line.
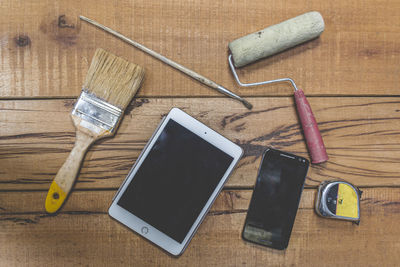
column 174, row 181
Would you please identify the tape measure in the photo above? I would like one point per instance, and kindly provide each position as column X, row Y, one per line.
column 338, row 200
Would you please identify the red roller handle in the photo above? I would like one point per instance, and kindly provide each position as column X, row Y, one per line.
column 314, row 140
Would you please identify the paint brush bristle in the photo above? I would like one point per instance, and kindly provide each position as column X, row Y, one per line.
column 113, row 79
column 110, row 85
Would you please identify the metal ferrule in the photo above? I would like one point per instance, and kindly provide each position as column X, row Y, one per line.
column 97, row 112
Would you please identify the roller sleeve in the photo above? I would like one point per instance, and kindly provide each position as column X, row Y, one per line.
column 276, row 38
column 313, row 137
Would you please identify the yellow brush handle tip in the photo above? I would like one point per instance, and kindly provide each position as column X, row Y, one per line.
column 55, row 198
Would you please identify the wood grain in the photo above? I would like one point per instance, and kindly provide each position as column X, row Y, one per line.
column 361, row 136
column 45, row 51
column 83, row 234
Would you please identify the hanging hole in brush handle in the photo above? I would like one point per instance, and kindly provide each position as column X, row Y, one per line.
column 313, row 137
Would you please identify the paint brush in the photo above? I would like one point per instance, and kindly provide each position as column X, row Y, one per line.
column 197, row 76
column 110, row 85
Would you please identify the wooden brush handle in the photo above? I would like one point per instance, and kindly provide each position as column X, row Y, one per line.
column 65, row 178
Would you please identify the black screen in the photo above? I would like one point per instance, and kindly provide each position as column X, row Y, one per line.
column 275, row 199
column 175, row 181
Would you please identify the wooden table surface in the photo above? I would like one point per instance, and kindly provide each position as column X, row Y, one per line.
column 351, row 75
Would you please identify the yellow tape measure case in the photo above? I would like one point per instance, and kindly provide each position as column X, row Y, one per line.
column 338, row 200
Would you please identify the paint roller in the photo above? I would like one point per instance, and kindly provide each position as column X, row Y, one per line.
column 275, row 39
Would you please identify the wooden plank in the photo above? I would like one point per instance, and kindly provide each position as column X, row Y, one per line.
column 361, row 136
column 84, row 235
column 32, row 203
column 45, row 50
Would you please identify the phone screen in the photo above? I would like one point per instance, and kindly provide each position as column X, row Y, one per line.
column 275, row 199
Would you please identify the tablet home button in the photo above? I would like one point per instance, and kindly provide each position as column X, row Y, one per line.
column 145, row 230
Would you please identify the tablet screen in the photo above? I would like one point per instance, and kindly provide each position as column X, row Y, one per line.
column 175, row 181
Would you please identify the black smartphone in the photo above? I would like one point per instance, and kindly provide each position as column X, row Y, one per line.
column 275, row 199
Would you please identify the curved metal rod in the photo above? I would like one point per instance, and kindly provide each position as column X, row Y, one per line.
column 257, row 83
